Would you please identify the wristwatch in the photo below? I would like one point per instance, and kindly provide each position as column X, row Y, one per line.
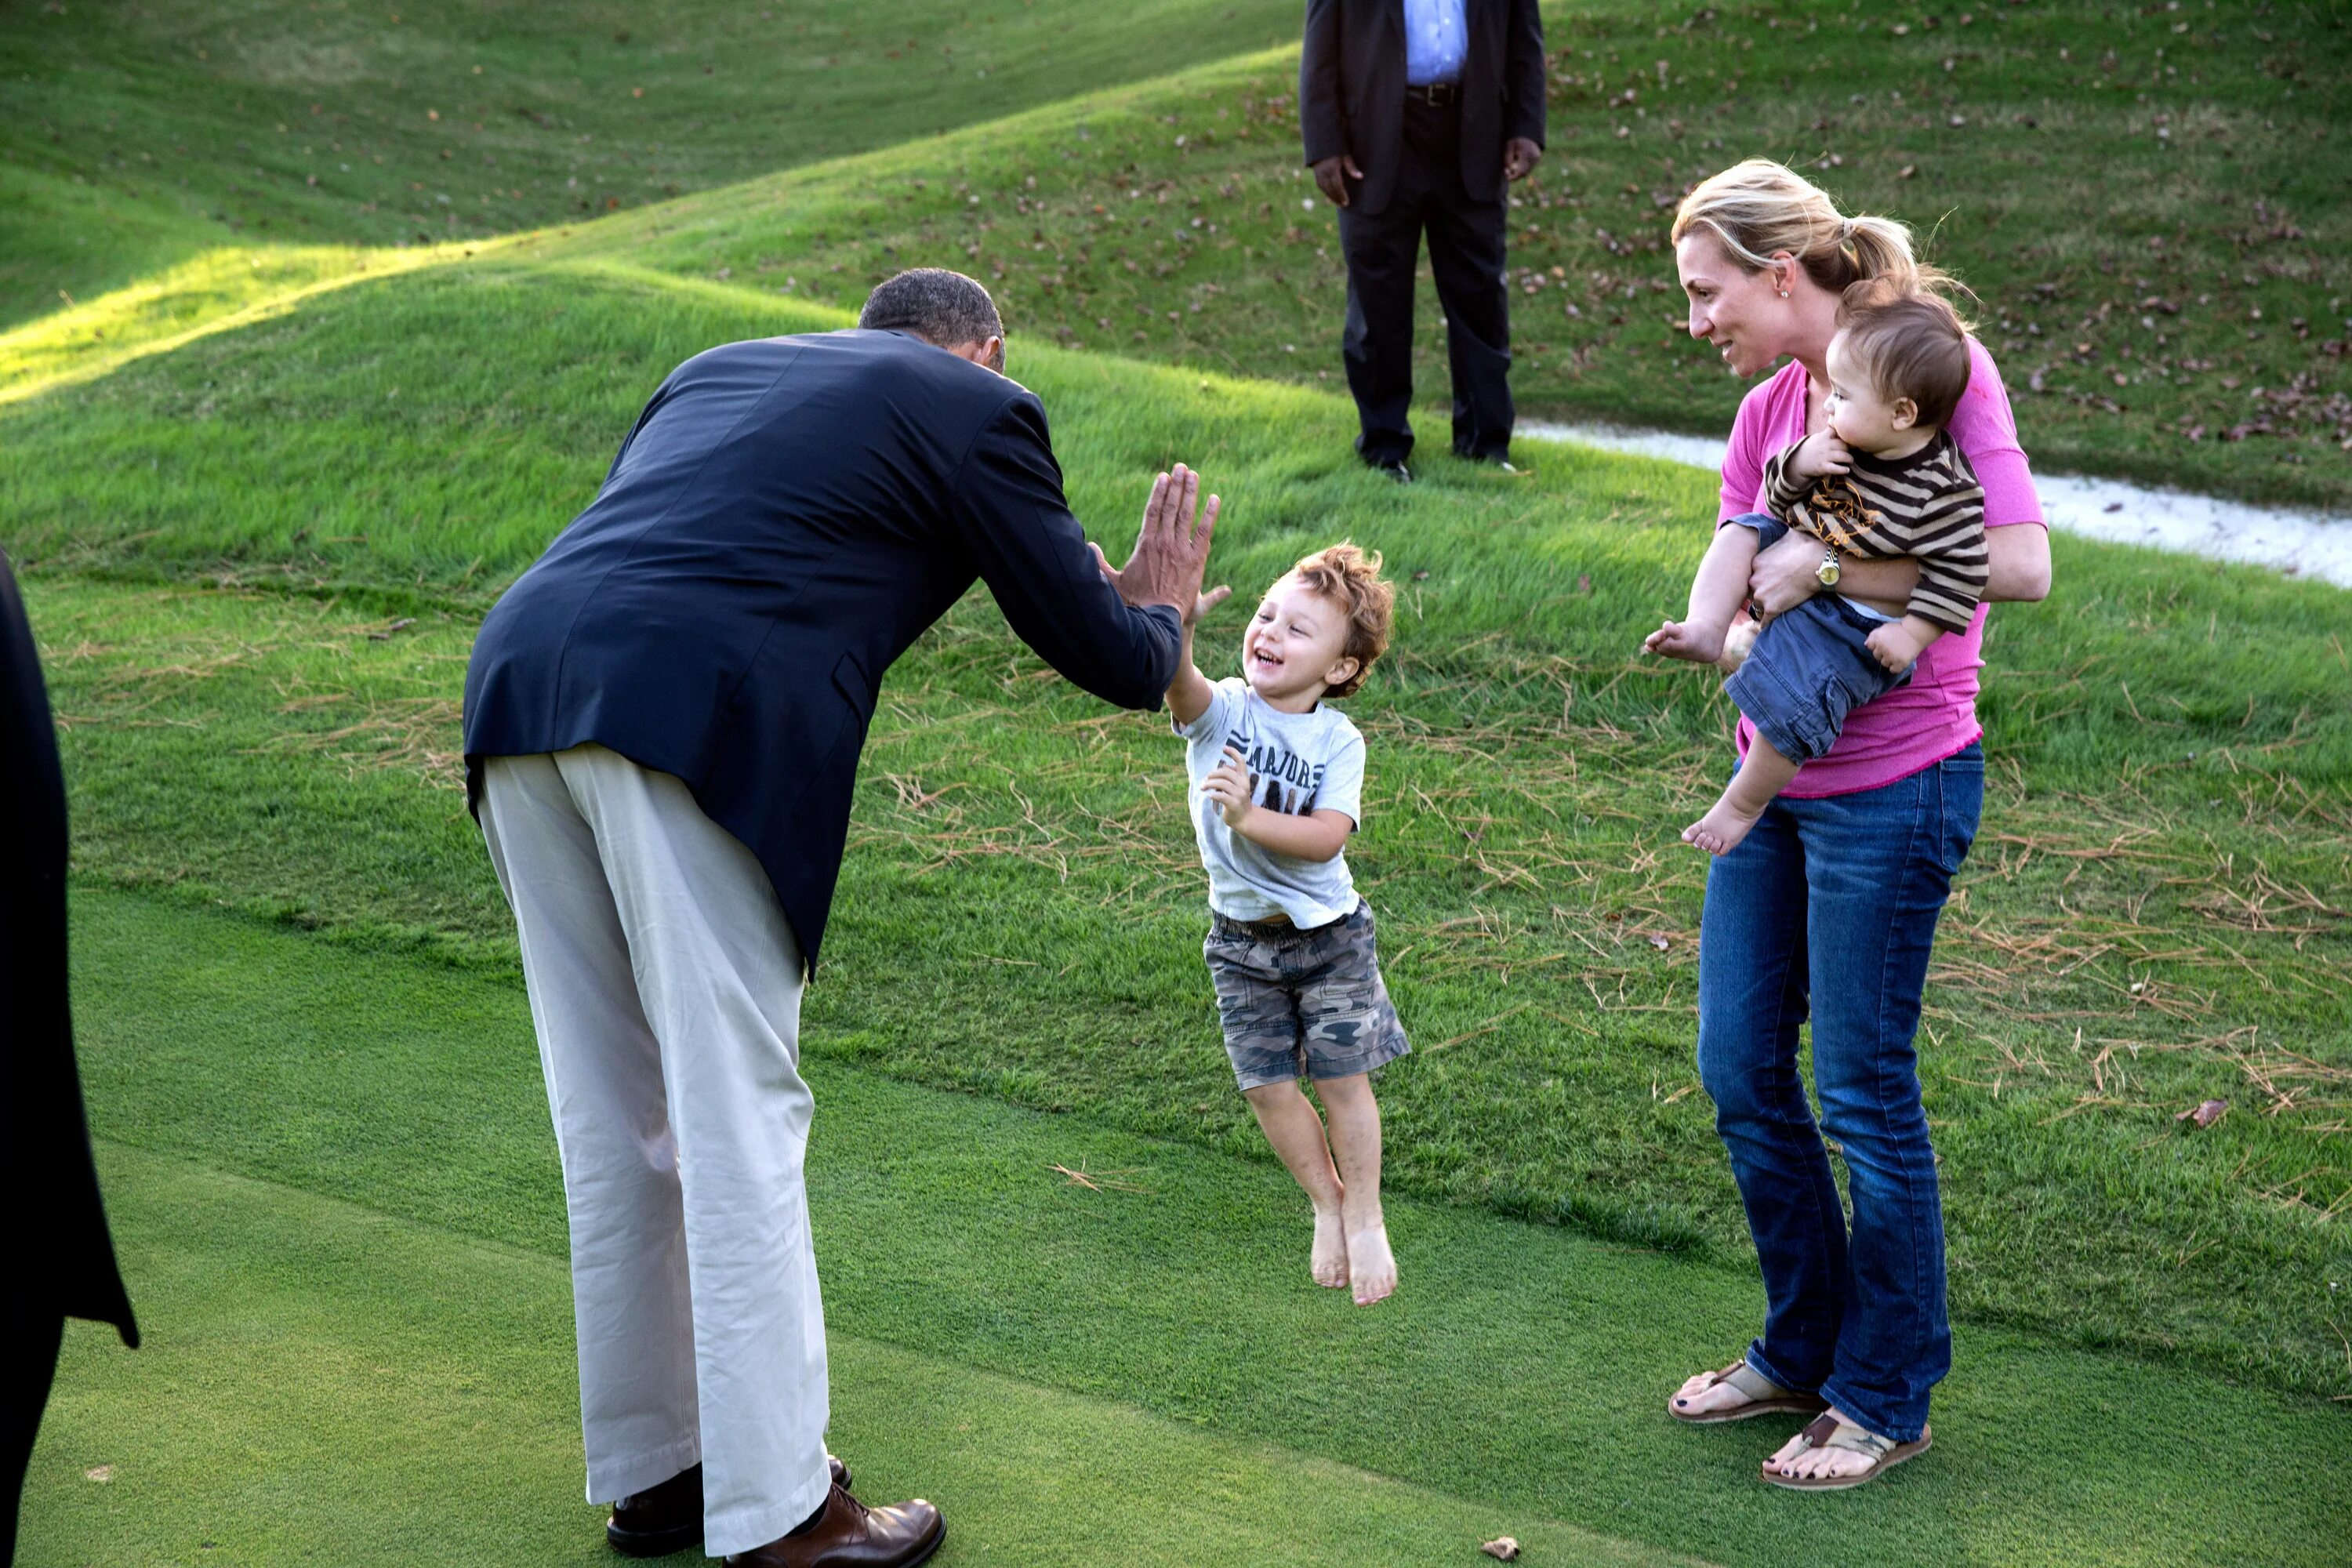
column 1826, row 574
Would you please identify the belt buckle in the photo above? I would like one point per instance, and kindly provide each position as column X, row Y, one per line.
column 1441, row 93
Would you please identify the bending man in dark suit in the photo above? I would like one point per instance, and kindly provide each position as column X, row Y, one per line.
column 1415, row 113
column 663, row 721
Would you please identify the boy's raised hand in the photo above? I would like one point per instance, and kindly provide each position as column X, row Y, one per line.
column 1229, row 783
column 1207, row 602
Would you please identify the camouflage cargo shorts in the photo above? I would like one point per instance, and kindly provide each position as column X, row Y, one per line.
column 1302, row 1004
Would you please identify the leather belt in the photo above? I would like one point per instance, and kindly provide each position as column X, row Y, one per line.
column 1436, row 94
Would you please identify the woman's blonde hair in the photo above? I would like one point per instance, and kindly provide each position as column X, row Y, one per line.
column 1759, row 207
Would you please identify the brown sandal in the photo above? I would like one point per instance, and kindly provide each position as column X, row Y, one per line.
column 1765, row 1397
column 1829, row 1432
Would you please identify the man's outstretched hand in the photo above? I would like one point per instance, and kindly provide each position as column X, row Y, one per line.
column 1171, row 553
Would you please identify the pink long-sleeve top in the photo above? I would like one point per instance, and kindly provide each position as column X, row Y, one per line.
column 1919, row 724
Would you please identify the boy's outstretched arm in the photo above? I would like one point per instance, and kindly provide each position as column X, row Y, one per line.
column 1190, row 694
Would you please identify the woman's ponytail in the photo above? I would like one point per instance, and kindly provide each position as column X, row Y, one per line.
column 1759, row 209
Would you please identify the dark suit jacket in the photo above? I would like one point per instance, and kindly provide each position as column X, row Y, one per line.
column 787, row 515
column 61, row 1236
column 1351, row 90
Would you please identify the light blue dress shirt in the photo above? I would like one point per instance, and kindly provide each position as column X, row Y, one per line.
column 1436, row 41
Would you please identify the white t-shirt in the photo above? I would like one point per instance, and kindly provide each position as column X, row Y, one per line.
column 1299, row 763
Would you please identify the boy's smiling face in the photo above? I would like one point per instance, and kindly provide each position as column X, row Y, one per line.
column 1293, row 648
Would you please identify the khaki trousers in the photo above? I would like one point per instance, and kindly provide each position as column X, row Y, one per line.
column 666, row 987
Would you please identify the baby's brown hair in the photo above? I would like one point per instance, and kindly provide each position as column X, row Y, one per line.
column 1351, row 580
column 1910, row 345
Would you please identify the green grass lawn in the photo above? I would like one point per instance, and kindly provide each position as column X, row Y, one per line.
column 2153, row 916
column 336, row 1200
column 262, row 491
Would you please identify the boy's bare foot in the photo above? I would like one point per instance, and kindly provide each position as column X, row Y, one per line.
column 1329, row 1262
column 1685, row 640
column 1372, row 1267
column 1723, row 825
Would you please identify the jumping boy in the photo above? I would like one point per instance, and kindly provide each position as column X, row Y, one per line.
column 1279, row 777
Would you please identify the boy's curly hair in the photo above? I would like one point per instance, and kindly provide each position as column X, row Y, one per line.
column 1351, row 580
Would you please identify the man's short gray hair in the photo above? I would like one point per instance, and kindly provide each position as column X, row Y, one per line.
column 940, row 307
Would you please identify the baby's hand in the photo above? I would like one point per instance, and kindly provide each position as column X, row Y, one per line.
column 1229, row 783
column 1818, row 457
column 1893, row 646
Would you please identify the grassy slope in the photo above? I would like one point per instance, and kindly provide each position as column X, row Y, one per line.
column 2134, row 288
column 1512, row 1357
column 2142, row 199
column 2148, row 921
column 140, row 135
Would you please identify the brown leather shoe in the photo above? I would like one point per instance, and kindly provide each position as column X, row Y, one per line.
column 848, row 1535
column 668, row 1517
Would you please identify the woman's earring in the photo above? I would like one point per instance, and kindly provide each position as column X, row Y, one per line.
column 1784, row 293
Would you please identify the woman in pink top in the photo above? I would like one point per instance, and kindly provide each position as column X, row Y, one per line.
column 1829, row 906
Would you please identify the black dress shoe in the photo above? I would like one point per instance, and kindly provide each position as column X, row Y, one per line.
column 845, row 1533
column 668, row 1517
column 1396, row 471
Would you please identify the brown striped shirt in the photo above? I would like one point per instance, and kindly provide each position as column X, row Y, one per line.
column 1927, row 506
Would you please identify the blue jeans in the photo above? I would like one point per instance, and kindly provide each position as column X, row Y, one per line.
column 1835, row 902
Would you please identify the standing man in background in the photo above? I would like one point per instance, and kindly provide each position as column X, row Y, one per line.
column 1415, row 114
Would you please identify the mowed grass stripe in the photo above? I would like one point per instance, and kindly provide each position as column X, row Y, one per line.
column 1521, row 1366
column 348, row 1386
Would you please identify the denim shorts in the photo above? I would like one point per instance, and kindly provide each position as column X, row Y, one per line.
column 1808, row 667
column 1302, row 1004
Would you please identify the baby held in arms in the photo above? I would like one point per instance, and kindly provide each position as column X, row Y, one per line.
column 1884, row 479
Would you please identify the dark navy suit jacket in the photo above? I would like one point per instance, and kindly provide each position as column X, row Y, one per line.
column 787, row 515
column 1351, row 90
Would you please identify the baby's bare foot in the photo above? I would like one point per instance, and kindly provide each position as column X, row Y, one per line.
column 1736, row 644
column 1685, row 640
column 1372, row 1267
column 1721, row 829
column 1329, row 1263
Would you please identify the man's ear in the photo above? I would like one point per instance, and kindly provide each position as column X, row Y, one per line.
column 988, row 353
column 1903, row 415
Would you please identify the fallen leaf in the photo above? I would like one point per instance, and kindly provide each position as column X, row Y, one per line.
column 2205, row 1114
column 101, row 1473
column 1661, row 942
column 1503, row 1548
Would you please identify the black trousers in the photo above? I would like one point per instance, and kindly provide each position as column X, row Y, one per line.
column 1466, row 253
column 29, row 1339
